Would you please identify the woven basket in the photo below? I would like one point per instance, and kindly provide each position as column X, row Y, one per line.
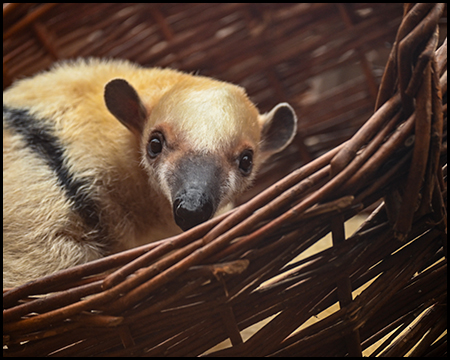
column 384, row 287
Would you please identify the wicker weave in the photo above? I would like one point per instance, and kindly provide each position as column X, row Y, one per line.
column 186, row 294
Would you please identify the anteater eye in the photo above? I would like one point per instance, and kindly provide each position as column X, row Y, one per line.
column 246, row 162
column 155, row 145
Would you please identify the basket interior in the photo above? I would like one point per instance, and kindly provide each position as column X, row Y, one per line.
column 252, row 280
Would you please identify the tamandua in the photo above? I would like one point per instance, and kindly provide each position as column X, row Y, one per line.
column 104, row 155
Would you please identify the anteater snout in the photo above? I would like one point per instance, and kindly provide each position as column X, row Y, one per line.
column 195, row 190
column 191, row 208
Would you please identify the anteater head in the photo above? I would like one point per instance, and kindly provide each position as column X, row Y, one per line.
column 202, row 142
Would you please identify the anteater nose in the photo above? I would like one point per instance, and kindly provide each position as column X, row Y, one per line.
column 192, row 208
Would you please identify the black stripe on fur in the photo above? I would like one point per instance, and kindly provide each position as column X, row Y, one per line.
column 38, row 136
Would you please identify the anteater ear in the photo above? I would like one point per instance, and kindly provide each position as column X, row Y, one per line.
column 279, row 127
column 124, row 103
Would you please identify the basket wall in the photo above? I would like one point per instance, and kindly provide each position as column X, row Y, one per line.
column 185, row 295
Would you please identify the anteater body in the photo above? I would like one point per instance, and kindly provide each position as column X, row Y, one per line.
column 101, row 156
